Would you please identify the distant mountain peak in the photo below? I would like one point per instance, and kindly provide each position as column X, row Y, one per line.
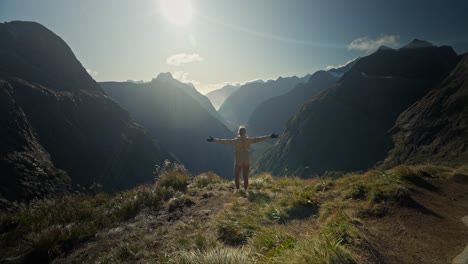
column 383, row 47
column 341, row 70
column 164, row 76
column 418, row 44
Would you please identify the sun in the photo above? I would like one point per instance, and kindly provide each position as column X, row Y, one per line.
column 178, row 12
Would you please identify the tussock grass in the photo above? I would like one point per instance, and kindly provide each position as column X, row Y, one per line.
column 339, row 226
column 271, row 241
column 238, row 223
column 320, row 250
column 213, row 256
column 300, row 204
column 280, row 220
column 172, row 175
column 261, row 181
column 178, row 201
column 45, row 228
column 206, row 179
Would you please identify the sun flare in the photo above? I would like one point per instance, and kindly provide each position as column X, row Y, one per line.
column 178, row 12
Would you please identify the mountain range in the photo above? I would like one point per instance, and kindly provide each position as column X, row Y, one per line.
column 189, row 89
column 178, row 120
column 59, row 129
column 217, row 97
column 273, row 114
column 238, row 107
column 346, row 127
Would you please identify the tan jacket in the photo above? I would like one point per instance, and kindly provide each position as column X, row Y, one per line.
column 241, row 147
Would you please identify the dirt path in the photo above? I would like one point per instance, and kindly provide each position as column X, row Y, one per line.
column 428, row 231
column 462, row 258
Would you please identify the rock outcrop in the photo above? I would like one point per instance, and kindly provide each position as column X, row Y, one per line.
column 435, row 128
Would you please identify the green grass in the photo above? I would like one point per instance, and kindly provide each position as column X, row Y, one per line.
column 44, row 229
column 300, row 203
column 47, row 227
column 206, row 179
column 213, row 256
column 238, row 223
column 280, row 220
column 271, row 241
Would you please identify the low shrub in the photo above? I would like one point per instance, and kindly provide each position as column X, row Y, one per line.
column 172, row 175
column 129, row 204
column 165, row 193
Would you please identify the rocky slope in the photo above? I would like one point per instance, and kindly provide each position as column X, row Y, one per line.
column 346, row 127
column 25, row 166
column 435, row 128
column 178, row 120
column 66, row 116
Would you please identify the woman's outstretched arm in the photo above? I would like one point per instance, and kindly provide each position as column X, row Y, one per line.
column 262, row 138
column 221, row 141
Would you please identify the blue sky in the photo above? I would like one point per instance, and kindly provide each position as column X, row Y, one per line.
column 237, row 41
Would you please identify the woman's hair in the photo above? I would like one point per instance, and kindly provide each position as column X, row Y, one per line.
column 242, row 128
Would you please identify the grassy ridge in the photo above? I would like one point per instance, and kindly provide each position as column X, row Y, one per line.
column 279, row 220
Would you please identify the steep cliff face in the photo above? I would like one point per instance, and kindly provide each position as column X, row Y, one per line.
column 26, row 170
column 86, row 133
column 435, row 128
column 32, row 52
column 346, row 127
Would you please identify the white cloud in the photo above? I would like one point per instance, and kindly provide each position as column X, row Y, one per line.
column 183, row 58
column 92, row 72
column 369, row 45
column 184, row 77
